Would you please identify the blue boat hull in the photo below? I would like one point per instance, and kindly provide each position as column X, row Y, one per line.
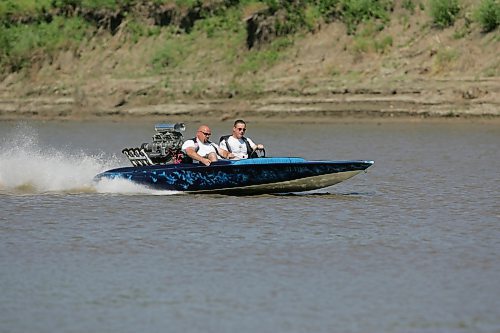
column 251, row 176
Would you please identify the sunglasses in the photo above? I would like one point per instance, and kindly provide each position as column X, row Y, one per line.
column 206, row 134
column 241, row 129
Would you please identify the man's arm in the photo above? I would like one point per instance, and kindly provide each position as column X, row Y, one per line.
column 190, row 151
column 226, row 154
column 222, row 152
column 255, row 146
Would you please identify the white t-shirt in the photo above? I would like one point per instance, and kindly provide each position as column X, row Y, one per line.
column 238, row 147
column 204, row 148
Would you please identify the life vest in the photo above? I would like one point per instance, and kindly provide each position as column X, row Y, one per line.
column 251, row 153
column 187, row 159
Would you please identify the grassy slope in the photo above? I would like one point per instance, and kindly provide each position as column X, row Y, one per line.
column 137, row 66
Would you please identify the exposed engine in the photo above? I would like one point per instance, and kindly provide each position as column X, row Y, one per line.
column 165, row 148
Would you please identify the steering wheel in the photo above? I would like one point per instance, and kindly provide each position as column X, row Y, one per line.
column 258, row 153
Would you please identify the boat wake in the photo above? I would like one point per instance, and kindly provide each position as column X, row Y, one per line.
column 27, row 167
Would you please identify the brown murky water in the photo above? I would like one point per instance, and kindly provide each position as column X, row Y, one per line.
column 411, row 246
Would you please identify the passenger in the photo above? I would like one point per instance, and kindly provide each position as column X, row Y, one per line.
column 237, row 144
column 201, row 149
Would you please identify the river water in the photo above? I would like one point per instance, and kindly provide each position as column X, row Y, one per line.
column 413, row 245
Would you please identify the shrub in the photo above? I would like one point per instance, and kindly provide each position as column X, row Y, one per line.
column 295, row 17
column 23, row 8
column 444, row 12
column 219, row 25
column 21, row 43
column 488, row 15
column 135, row 30
column 356, row 11
column 312, row 17
column 328, row 8
column 91, row 4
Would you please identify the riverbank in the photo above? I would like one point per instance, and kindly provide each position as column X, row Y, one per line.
column 410, row 69
column 422, row 99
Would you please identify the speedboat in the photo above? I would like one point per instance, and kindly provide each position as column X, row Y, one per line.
column 250, row 176
column 155, row 166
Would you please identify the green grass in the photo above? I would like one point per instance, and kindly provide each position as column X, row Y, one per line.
column 136, row 29
column 355, row 12
column 228, row 21
column 221, row 24
column 444, row 12
column 171, row 54
column 328, row 8
column 383, row 45
column 93, row 4
column 488, row 15
column 22, row 8
column 20, row 43
column 370, row 39
column 312, row 17
column 409, row 5
column 256, row 60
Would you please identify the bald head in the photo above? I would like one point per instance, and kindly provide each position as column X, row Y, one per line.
column 203, row 133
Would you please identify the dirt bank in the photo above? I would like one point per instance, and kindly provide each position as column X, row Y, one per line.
column 415, row 99
column 327, row 74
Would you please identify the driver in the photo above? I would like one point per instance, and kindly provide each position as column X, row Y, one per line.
column 240, row 146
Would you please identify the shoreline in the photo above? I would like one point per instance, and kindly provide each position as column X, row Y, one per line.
column 195, row 111
column 412, row 100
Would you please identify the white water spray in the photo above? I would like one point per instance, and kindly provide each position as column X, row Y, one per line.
column 26, row 167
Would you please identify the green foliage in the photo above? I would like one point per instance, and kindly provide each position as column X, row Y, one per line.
column 365, row 44
column 216, row 25
column 222, row 24
column 311, row 17
column 444, row 12
column 261, row 59
column 37, row 7
column 135, row 30
column 328, row 8
column 356, row 11
column 295, row 15
column 369, row 39
column 93, row 4
column 171, row 54
column 22, row 7
column 409, row 5
column 488, row 15
column 96, row 4
column 361, row 44
column 20, row 43
column 186, row 3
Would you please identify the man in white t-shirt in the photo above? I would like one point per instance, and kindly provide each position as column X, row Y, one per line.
column 200, row 149
column 237, row 144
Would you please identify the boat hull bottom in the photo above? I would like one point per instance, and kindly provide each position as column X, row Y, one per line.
column 296, row 185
